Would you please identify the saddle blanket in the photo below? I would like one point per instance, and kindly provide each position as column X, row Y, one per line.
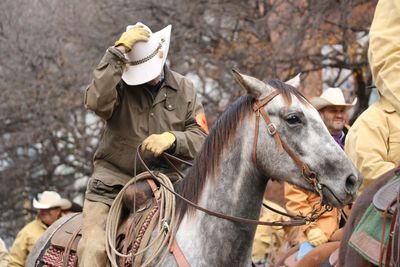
column 366, row 238
column 53, row 257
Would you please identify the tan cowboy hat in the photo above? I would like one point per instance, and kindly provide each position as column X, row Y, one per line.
column 51, row 199
column 147, row 59
column 331, row 97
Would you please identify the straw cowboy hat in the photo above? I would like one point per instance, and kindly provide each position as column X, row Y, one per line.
column 146, row 59
column 331, row 97
column 51, row 199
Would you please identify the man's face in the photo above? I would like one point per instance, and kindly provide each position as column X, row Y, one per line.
column 334, row 118
column 49, row 216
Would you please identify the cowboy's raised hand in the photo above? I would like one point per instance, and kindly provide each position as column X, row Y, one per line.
column 158, row 143
column 135, row 34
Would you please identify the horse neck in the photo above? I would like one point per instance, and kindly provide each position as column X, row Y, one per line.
column 238, row 191
column 238, row 188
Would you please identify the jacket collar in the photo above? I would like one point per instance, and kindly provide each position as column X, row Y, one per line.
column 170, row 80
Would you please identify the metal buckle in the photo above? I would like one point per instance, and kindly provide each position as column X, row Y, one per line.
column 271, row 128
column 165, row 226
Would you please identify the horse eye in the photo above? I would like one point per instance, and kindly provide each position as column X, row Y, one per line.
column 293, row 119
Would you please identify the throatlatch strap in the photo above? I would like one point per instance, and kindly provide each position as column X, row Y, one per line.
column 178, row 254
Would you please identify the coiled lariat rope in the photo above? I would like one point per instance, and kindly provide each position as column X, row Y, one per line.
column 165, row 226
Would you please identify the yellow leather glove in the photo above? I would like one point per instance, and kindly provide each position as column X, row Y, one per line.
column 158, row 143
column 133, row 35
column 316, row 237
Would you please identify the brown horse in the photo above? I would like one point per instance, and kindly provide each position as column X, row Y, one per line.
column 348, row 256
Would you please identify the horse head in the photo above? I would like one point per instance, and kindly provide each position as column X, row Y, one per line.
column 312, row 160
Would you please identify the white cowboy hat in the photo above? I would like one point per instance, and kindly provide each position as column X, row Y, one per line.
column 147, row 59
column 51, row 199
column 331, row 97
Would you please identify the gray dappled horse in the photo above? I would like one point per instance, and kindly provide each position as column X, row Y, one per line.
column 228, row 177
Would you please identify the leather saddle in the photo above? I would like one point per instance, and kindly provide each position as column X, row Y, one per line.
column 386, row 198
column 62, row 248
column 69, row 234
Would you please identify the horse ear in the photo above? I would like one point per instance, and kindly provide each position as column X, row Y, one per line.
column 252, row 85
column 295, row 81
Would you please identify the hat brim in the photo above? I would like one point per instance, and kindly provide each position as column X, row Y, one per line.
column 320, row 103
column 149, row 70
column 63, row 203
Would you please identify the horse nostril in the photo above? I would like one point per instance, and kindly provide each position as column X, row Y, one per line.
column 351, row 184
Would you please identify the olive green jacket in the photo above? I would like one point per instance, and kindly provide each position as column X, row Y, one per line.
column 131, row 114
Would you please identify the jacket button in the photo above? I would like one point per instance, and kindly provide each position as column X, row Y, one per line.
column 152, row 114
column 169, row 106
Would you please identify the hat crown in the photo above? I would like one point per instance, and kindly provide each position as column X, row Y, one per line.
column 331, row 97
column 334, row 95
column 48, row 197
column 146, row 59
column 141, row 50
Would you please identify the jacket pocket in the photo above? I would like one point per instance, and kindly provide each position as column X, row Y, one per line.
column 118, row 151
column 98, row 187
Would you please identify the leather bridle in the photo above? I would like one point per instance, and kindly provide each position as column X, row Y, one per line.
column 258, row 108
column 310, row 176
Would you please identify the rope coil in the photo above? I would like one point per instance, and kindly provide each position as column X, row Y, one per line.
column 165, row 227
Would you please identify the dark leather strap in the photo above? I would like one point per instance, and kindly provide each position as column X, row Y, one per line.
column 389, row 246
column 178, row 254
column 67, row 249
column 271, row 127
column 262, row 102
column 310, row 176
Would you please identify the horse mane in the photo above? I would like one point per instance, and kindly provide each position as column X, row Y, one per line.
column 207, row 160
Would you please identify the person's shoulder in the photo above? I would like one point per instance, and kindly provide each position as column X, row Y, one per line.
column 181, row 80
column 33, row 225
column 371, row 114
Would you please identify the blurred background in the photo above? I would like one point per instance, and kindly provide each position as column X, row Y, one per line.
column 49, row 48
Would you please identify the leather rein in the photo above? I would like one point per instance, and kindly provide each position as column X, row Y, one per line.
column 311, row 177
